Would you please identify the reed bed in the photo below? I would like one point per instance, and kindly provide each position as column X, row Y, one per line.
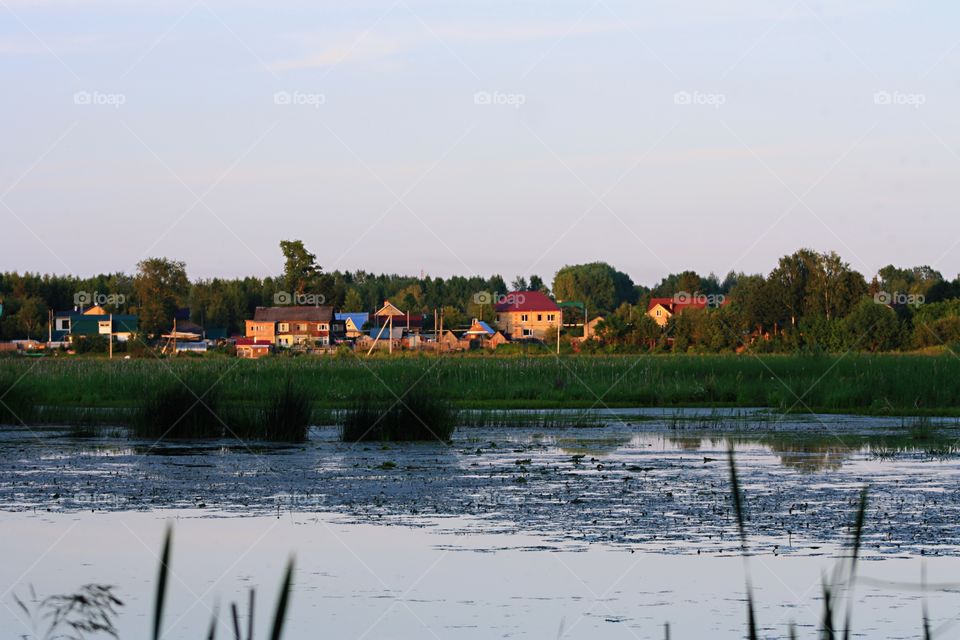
column 413, row 417
column 17, row 405
column 286, row 417
column 893, row 384
column 541, row 419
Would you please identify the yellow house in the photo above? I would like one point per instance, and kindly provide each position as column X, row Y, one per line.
column 527, row 314
column 662, row 309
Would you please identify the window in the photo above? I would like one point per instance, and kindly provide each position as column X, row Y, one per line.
column 283, row 327
column 322, row 327
column 524, row 317
column 527, row 332
column 539, row 317
column 550, row 317
column 301, row 327
column 659, row 312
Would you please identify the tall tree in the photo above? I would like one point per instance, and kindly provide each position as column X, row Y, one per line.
column 161, row 286
column 790, row 279
column 31, row 316
column 833, row 288
column 300, row 268
column 599, row 285
column 537, row 284
column 353, row 301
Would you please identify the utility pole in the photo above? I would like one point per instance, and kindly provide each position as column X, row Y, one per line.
column 110, row 337
column 559, row 327
column 49, row 329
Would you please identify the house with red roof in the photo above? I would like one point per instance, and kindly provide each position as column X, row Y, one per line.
column 662, row 309
column 526, row 314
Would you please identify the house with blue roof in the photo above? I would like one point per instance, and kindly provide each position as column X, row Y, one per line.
column 354, row 321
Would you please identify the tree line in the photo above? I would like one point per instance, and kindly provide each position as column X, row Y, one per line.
column 809, row 300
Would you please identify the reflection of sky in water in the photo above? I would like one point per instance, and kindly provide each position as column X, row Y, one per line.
column 535, row 501
column 364, row 580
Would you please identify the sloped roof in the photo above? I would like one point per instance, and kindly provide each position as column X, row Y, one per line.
column 386, row 333
column 526, row 301
column 359, row 318
column 294, row 314
column 96, row 310
column 673, row 306
column 389, row 309
column 479, row 327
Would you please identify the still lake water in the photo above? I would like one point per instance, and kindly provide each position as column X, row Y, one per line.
column 509, row 532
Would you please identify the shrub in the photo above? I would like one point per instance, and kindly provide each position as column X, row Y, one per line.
column 416, row 417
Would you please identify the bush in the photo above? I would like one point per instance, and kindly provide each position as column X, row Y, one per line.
column 417, row 417
column 91, row 344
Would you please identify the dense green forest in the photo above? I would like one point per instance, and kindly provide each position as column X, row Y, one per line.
column 809, row 300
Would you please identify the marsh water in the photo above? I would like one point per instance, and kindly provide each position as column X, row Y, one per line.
column 513, row 531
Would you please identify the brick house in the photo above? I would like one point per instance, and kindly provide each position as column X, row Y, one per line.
column 527, row 315
column 296, row 326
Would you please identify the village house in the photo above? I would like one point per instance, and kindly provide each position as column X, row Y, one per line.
column 590, row 330
column 68, row 326
column 527, row 315
column 662, row 309
column 295, row 326
column 253, row 348
column 381, row 338
column 483, row 335
column 354, row 322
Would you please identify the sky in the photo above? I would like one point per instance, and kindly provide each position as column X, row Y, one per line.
column 478, row 137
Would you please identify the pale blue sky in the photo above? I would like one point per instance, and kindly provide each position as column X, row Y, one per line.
column 808, row 124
